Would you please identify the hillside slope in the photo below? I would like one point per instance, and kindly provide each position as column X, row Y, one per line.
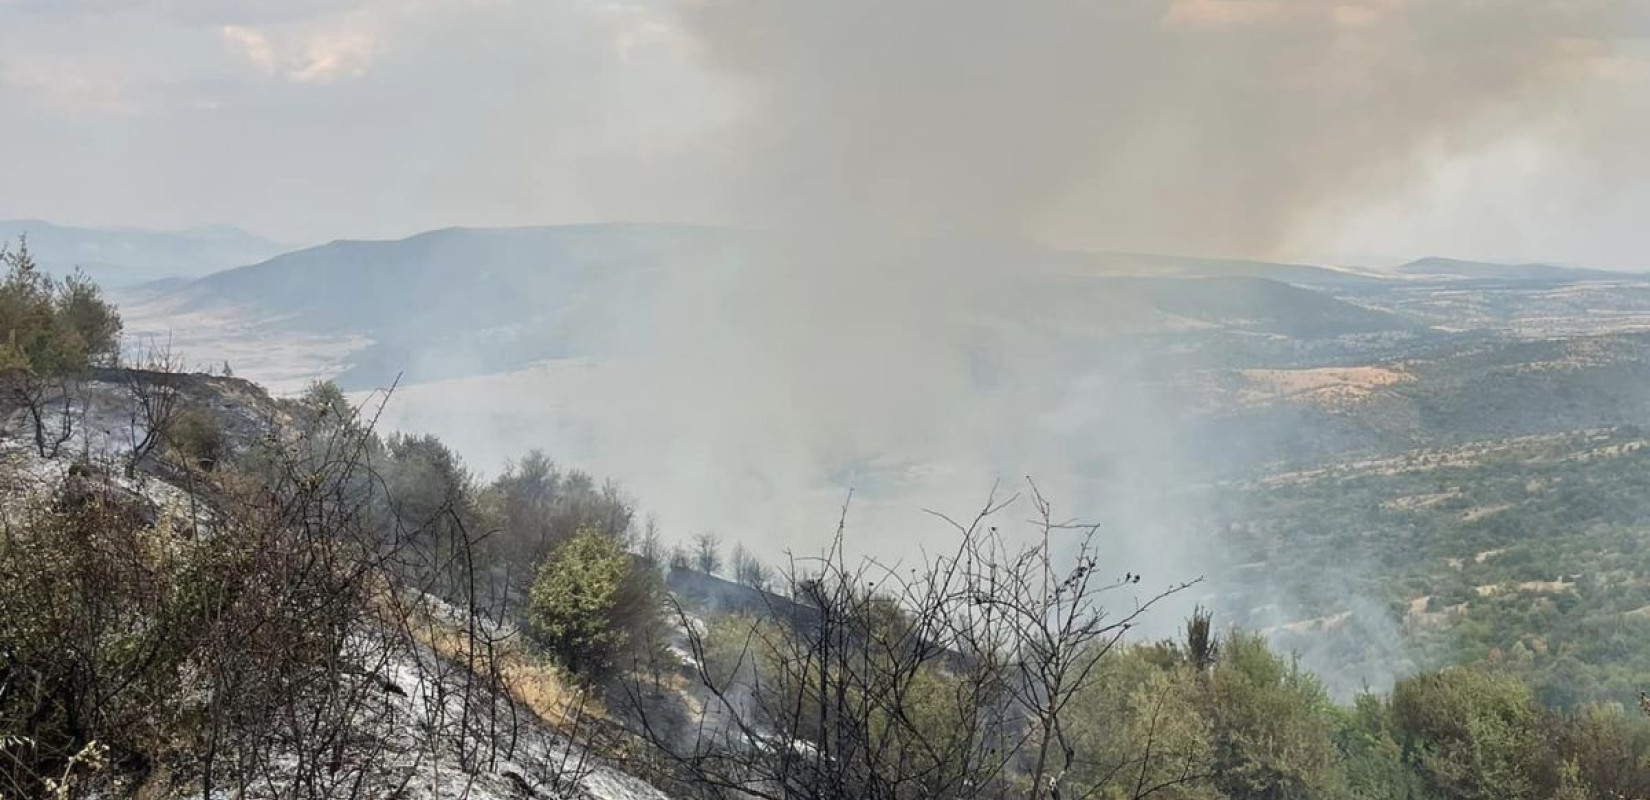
column 392, row 702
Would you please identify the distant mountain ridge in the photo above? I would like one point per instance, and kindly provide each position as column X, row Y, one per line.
column 465, row 276
column 1270, row 306
column 454, row 278
column 1159, row 265
column 494, row 299
column 1486, row 270
column 129, row 256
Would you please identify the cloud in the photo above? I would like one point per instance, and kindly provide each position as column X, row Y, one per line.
column 208, row 13
column 635, row 26
column 541, row 104
column 66, row 86
column 1216, row 126
column 1223, row 12
column 321, row 56
column 334, row 56
column 252, row 44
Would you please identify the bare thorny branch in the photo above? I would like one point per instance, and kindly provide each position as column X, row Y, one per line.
column 839, row 699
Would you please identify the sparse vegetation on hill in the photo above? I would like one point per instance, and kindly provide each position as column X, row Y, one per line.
column 853, row 704
column 1524, row 555
column 246, row 597
column 54, row 331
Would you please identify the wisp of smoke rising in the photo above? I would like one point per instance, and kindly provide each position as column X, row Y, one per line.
column 890, row 141
column 897, row 150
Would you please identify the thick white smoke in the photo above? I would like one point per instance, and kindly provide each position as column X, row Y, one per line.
column 894, row 147
column 1188, row 126
column 892, row 142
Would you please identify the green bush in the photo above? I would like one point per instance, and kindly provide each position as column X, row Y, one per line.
column 51, row 327
column 1475, row 732
column 100, row 618
column 1272, row 724
column 1137, row 723
column 1373, row 764
column 591, row 603
column 198, row 437
column 535, row 506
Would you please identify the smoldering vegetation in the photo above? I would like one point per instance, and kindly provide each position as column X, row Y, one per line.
column 210, row 592
column 904, row 305
column 1355, row 533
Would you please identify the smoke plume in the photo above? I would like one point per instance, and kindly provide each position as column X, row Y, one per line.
column 891, row 143
column 901, row 153
column 1186, row 126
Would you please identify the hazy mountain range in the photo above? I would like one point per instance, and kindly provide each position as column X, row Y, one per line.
column 127, row 256
column 1171, row 396
column 495, row 299
column 466, row 301
column 1456, row 268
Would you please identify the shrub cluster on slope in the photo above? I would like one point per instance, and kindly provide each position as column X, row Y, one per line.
column 51, row 332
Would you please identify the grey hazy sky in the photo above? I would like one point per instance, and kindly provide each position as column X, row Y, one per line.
column 1486, row 128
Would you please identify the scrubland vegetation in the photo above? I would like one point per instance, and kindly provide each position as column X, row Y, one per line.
column 1526, row 556
column 269, row 599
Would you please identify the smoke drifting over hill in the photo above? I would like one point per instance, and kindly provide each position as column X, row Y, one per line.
column 1218, row 126
column 1181, row 126
column 1202, row 126
column 888, row 334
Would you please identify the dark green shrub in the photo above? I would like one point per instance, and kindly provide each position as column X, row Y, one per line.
column 592, row 603
column 198, row 438
column 1475, row 732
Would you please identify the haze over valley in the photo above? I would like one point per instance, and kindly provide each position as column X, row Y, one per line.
column 1170, row 396
column 848, row 400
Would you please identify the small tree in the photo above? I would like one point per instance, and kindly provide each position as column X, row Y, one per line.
column 1272, row 724
column 535, row 506
column 197, row 437
column 50, row 333
column 590, row 602
column 1476, row 733
column 1201, row 645
column 91, row 320
column 648, row 544
column 155, row 401
column 680, row 558
column 326, row 403
column 748, row 570
column 707, row 553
